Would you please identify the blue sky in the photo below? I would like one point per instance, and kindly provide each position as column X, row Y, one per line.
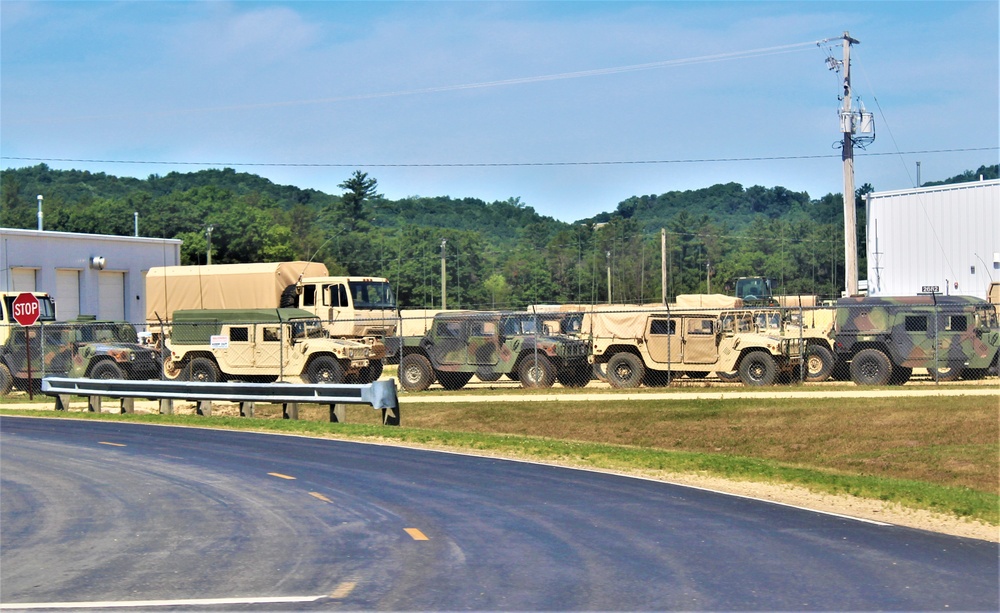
column 498, row 100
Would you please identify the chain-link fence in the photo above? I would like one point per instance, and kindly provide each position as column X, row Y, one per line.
column 870, row 341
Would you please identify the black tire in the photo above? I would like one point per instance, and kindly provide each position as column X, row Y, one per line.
column 729, row 377
column 536, row 371
column 6, row 380
column 371, row 372
column 488, row 376
column 625, row 370
column 900, row 375
column 757, row 368
column 325, row 369
column 415, row 373
column 945, row 373
column 871, row 367
column 819, row 363
column 201, row 370
column 576, row 376
column 289, row 297
column 106, row 369
column 453, row 380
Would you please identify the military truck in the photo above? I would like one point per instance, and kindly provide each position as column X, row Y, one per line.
column 639, row 346
column 83, row 347
column 884, row 338
column 356, row 308
column 460, row 344
column 260, row 345
column 755, row 291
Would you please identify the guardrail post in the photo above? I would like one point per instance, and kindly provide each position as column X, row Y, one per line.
column 246, row 408
column 166, row 406
column 204, row 408
column 338, row 413
column 62, row 402
column 94, row 404
column 290, row 410
column 128, row 405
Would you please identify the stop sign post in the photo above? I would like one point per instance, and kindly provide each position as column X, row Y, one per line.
column 26, row 309
column 25, row 312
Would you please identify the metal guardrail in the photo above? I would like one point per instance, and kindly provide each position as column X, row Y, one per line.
column 381, row 395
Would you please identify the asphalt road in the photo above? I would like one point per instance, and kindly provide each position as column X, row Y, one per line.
column 154, row 517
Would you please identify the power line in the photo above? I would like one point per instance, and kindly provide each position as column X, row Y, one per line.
column 486, row 164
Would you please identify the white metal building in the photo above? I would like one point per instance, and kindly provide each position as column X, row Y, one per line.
column 86, row 274
column 947, row 236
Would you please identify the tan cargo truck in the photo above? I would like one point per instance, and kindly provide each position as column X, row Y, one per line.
column 356, row 308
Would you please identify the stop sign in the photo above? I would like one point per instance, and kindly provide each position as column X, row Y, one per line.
column 26, row 309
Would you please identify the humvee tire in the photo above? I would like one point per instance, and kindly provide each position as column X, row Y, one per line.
column 871, row 367
column 106, row 369
column 325, row 369
column 415, row 373
column 758, row 368
column 203, row 370
column 537, row 371
column 625, row 370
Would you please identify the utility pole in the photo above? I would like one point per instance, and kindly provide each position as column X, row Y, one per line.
column 847, row 154
column 444, row 282
column 609, row 277
column 208, row 233
column 663, row 265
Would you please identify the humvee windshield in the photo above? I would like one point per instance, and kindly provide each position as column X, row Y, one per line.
column 516, row 326
column 308, row 328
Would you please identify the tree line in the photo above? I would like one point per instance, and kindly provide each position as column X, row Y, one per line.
column 500, row 254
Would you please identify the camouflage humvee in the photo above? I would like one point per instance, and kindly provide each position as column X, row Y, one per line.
column 884, row 339
column 260, row 345
column 79, row 348
column 489, row 345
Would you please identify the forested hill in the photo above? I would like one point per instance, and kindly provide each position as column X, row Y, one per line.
column 499, row 253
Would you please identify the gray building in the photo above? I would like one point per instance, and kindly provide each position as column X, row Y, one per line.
column 947, row 236
column 86, row 274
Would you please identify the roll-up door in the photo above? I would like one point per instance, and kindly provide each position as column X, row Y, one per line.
column 67, row 294
column 24, row 279
column 111, row 296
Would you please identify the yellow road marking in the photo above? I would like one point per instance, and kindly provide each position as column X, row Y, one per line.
column 416, row 534
column 281, row 476
column 112, row 444
column 320, row 496
column 344, row 589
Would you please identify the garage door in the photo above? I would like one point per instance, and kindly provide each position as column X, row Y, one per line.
column 24, row 279
column 67, row 294
column 111, row 296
